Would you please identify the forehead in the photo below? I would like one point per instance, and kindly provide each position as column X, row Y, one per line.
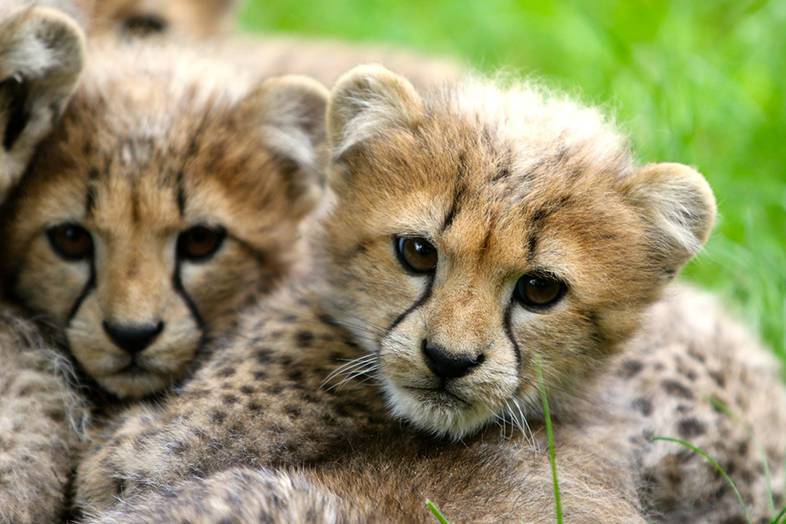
column 522, row 193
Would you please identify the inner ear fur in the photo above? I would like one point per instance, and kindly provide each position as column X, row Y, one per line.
column 291, row 112
column 42, row 54
column 366, row 101
column 678, row 207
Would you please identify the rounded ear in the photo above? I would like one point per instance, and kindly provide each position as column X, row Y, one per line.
column 366, row 101
column 42, row 53
column 291, row 111
column 678, row 206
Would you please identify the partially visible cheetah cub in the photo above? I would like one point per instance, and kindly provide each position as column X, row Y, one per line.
column 473, row 236
column 171, row 192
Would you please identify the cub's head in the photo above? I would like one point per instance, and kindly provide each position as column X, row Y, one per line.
column 157, row 18
column 161, row 202
column 480, row 232
column 41, row 57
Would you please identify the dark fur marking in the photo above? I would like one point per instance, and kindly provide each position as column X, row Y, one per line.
column 674, row 388
column 691, row 427
column 304, row 338
column 92, row 191
column 536, row 222
column 419, row 302
column 89, row 286
column 177, row 284
column 218, row 417
column 630, row 368
column 643, row 406
column 19, row 115
column 508, row 326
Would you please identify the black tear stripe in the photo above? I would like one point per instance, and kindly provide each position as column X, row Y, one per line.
column 19, row 115
column 419, row 302
column 89, row 286
column 508, row 327
column 177, row 285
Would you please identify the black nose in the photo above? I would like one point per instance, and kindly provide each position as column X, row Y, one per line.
column 133, row 338
column 447, row 365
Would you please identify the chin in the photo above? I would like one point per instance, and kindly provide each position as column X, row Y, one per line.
column 436, row 412
column 134, row 385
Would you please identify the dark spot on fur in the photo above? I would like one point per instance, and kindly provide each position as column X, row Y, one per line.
column 304, row 338
column 246, row 390
column 218, row 417
column 328, row 320
column 630, row 368
column 293, row 411
column 254, row 406
column 226, row 372
column 718, row 378
column 264, row 355
column 260, row 375
column 295, row 375
column 690, row 427
column 643, row 406
column 228, row 399
column 674, row 388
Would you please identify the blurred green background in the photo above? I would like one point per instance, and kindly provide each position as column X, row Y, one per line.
column 703, row 83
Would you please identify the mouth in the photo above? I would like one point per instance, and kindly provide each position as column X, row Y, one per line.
column 134, row 369
column 439, row 395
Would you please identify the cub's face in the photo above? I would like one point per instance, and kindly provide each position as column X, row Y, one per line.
column 149, row 217
column 480, row 235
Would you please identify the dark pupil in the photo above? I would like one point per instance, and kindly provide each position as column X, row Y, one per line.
column 542, row 290
column 71, row 242
column 201, row 240
column 420, row 254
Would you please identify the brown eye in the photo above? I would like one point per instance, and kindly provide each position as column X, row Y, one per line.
column 539, row 290
column 200, row 242
column 416, row 254
column 144, row 25
column 71, row 241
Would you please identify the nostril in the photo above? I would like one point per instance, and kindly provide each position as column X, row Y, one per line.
column 133, row 338
column 445, row 364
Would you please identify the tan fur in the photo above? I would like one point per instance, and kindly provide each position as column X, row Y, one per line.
column 501, row 181
column 40, row 415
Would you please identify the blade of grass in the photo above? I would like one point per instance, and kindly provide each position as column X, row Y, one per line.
column 550, row 436
column 436, row 512
column 780, row 518
column 706, row 456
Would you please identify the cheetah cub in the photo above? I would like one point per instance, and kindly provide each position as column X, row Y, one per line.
column 171, row 192
column 473, row 235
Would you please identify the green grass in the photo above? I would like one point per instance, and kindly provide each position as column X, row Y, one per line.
column 696, row 82
column 544, row 400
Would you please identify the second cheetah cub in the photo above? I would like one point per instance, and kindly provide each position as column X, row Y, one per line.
column 473, row 234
